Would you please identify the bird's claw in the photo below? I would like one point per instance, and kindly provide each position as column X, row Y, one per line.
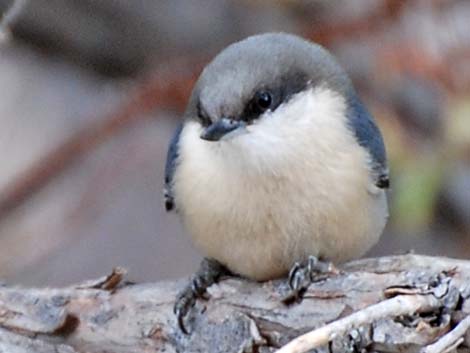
column 209, row 273
column 302, row 275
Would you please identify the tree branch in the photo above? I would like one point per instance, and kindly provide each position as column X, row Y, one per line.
column 389, row 304
column 451, row 340
column 397, row 306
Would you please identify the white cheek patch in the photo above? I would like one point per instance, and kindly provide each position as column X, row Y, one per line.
column 317, row 109
column 311, row 125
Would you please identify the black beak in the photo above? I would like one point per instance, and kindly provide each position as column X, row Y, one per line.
column 220, row 128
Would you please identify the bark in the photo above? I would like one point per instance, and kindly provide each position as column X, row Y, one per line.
column 390, row 304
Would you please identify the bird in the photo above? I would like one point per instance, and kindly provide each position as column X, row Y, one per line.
column 276, row 162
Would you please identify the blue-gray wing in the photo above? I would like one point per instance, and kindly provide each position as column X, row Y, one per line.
column 368, row 135
column 170, row 167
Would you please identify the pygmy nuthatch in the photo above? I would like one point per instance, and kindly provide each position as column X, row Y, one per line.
column 277, row 159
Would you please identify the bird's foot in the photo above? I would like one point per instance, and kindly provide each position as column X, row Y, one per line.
column 209, row 272
column 303, row 274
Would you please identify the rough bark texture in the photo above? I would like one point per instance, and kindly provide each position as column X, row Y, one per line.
column 109, row 315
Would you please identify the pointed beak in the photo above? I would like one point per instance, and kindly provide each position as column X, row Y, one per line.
column 221, row 128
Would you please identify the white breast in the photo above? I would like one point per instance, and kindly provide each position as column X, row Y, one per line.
column 297, row 184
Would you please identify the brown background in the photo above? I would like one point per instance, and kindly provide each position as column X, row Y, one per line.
column 91, row 91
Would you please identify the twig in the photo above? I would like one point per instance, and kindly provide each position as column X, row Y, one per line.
column 451, row 340
column 10, row 15
column 399, row 305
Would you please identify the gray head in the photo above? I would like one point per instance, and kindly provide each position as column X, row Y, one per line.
column 256, row 75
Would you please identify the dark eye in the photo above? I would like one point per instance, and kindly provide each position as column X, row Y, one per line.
column 263, row 101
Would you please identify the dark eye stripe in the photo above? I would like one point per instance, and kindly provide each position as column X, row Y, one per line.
column 279, row 93
column 202, row 115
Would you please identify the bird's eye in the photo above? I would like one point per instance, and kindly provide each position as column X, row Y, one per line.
column 263, row 101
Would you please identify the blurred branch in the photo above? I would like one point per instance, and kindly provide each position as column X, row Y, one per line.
column 110, row 315
column 168, row 88
column 9, row 15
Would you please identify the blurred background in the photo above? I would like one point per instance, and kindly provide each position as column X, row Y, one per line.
column 92, row 90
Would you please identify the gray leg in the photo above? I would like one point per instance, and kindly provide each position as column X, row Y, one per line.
column 303, row 274
column 209, row 272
